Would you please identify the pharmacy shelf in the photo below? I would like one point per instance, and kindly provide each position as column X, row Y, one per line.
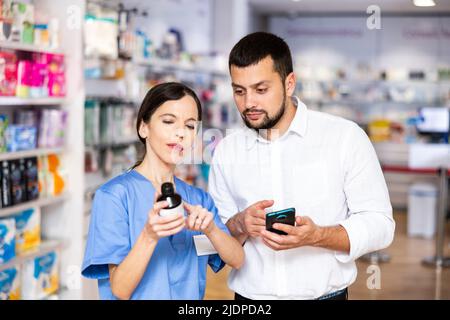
column 15, row 101
column 379, row 81
column 111, row 99
column 46, row 246
column 27, row 47
column 61, row 294
column 29, row 153
column 174, row 66
column 115, row 144
column 40, row 202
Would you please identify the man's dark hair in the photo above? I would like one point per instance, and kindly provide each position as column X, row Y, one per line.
column 256, row 46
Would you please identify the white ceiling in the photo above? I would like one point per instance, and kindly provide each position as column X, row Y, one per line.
column 344, row 6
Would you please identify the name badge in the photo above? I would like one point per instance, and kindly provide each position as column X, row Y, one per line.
column 203, row 246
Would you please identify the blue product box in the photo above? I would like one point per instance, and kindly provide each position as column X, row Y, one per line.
column 20, row 137
column 7, row 239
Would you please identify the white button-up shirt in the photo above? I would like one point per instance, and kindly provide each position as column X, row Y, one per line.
column 326, row 168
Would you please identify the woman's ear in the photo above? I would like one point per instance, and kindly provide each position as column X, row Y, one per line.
column 143, row 130
column 290, row 83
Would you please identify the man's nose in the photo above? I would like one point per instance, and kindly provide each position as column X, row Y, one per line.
column 250, row 101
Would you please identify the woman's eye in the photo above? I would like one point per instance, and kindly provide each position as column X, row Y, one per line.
column 190, row 127
column 167, row 121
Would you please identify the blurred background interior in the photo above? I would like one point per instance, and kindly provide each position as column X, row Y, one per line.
column 73, row 74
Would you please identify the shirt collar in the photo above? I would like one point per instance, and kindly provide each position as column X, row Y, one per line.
column 298, row 125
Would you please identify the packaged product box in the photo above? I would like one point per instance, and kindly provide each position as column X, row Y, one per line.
column 42, row 165
column 28, row 229
column 5, row 20
column 8, row 73
column 3, row 125
column 40, row 276
column 56, row 75
column 10, row 284
column 20, row 137
column 52, row 176
column 24, row 70
column 18, row 184
column 52, row 128
column 23, row 22
column 31, row 178
column 7, row 239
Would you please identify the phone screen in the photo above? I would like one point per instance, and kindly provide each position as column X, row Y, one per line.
column 286, row 216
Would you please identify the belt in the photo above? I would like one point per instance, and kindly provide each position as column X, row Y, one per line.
column 337, row 295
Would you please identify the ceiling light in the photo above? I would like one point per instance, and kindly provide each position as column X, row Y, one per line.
column 424, row 3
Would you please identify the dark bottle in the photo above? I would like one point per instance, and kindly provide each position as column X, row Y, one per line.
column 6, row 185
column 18, row 183
column 31, row 177
column 175, row 203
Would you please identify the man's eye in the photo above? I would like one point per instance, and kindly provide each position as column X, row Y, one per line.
column 239, row 92
column 261, row 90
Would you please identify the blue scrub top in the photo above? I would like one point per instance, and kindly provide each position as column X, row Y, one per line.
column 119, row 213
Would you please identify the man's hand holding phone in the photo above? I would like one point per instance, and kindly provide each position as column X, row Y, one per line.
column 252, row 221
column 304, row 233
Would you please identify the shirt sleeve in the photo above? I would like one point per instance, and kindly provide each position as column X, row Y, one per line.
column 108, row 239
column 218, row 187
column 369, row 225
column 215, row 262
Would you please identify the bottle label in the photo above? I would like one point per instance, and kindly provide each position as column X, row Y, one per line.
column 167, row 212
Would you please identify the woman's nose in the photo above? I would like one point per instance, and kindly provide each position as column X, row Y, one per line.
column 180, row 133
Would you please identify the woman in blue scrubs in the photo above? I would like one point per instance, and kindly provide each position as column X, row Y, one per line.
column 133, row 251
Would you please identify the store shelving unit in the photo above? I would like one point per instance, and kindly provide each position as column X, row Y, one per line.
column 15, row 101
column 375, row 98
column 115, row 144
column 40, row 202
column 45, row 247
column 29, row 153
column 61, row 216
column 28, row 47
column 177, row 66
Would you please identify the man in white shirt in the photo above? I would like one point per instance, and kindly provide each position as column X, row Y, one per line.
column 288, row 156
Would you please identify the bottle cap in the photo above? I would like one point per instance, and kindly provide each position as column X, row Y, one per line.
column 167, row 189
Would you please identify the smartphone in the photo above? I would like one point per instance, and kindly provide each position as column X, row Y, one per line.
column 286, row 216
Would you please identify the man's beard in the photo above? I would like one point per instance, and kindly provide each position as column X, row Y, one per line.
column 267, row 123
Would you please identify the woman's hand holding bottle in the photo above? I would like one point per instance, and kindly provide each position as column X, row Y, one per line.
column 158, row 227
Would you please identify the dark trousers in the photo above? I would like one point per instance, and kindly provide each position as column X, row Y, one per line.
column 341, row 295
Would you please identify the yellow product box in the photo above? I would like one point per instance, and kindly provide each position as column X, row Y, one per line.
column 7, row 239
column 10, row 284
column 28, row 229
column 40, row 276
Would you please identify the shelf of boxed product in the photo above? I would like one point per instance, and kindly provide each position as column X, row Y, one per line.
column 40, row 202
column 28, row 47
column 16, row 101
column 46, row 246
column 36, row 78
column 29, row 153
